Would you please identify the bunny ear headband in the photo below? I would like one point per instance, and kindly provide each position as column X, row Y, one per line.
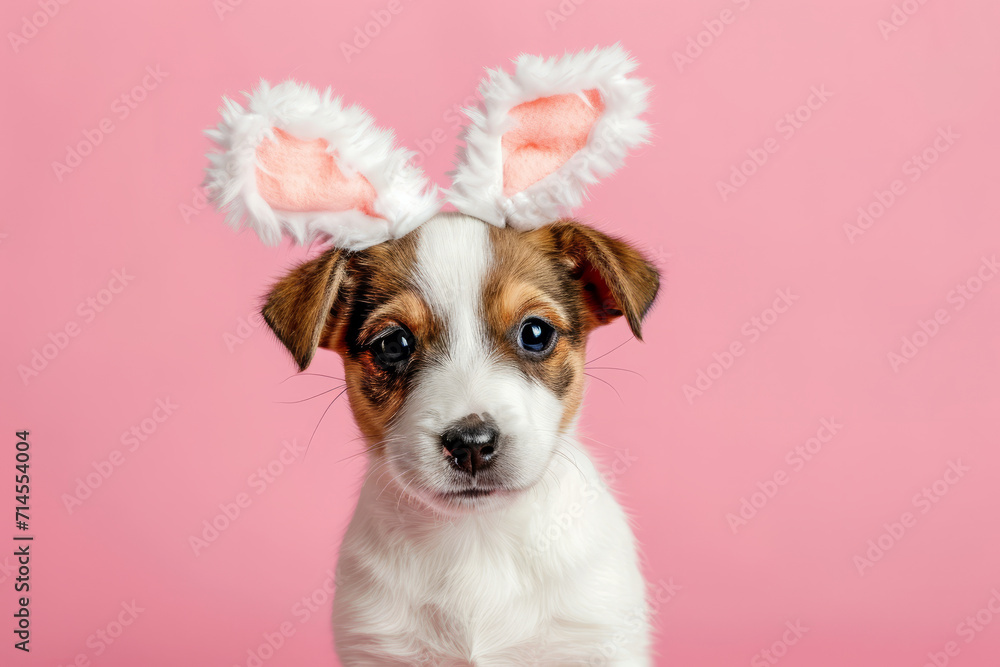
column 297, row 162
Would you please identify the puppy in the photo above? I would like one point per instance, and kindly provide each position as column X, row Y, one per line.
column 483, row 534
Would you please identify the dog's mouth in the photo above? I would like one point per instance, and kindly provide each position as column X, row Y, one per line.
column 476, row 496
column 469, row 493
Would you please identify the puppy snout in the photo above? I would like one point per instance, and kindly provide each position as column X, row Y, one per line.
column 470, row 444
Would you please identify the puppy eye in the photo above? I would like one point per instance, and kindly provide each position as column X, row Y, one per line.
column 394, row 348
column 535, row 335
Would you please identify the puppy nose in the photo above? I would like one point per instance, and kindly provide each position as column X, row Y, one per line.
column 470, row 443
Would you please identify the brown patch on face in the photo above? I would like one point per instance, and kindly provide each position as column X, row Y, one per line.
column 573, row 277
column 343, row 301
column 383, row 297
column 526, row 281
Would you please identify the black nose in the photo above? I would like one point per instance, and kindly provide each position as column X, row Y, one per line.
column 470, row 443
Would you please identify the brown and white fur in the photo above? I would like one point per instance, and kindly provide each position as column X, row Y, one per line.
column 483, row 534
column 529, row 561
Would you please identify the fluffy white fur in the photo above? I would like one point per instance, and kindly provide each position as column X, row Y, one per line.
column 477, row 183
column 550, row 579
column 543, row 574
column 403, row 199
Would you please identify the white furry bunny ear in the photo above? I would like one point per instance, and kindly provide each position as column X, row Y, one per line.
column 297, row 162
column 546, row 132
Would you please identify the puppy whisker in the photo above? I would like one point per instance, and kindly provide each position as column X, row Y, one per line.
column 399, row 496
column 298, row 375
column 366, row 450
column 615, row 368
column 600, row 379
column 378, row 466
column 627, row 340
column 383, row 464
column 370, row 448
column 595, row 440
column 323, row 416
column 303, row 400
column 564, row 436
column 560, row 452
column 391, row 481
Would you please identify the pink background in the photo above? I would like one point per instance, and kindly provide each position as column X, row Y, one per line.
column 684, row 465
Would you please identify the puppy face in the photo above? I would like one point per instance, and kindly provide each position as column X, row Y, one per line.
column 463, row 345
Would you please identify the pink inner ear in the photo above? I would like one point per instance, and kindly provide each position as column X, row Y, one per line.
column 302, row 175
column 549, row 131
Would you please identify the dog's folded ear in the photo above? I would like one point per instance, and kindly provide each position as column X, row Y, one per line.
column 615, row 278
column 300, row 305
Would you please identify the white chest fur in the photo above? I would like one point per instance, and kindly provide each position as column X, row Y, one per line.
column 550, row 579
